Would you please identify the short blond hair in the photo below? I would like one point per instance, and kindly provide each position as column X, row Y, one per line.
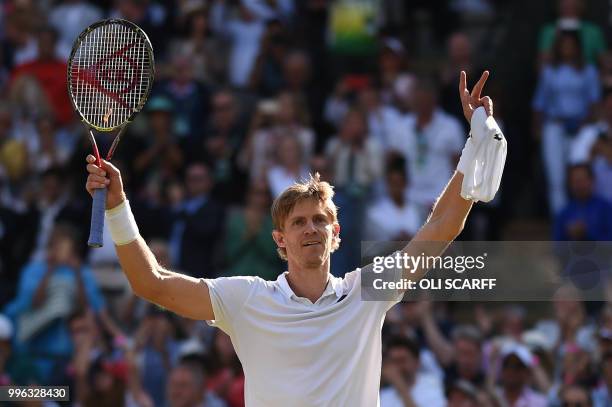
column 312, row 188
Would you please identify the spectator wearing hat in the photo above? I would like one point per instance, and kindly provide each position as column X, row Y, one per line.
column 404, row 383
column 516, row 364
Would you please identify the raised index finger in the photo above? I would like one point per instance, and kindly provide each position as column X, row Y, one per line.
column 479, row 85
column 462, row 83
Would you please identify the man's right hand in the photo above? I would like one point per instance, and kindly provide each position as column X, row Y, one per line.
column 106, row 177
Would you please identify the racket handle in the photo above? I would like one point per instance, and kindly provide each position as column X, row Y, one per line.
column 96, row 230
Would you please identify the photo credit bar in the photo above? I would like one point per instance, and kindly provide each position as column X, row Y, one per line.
column 507, row 271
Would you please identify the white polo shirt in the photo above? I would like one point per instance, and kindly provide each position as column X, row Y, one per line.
column 296, row 353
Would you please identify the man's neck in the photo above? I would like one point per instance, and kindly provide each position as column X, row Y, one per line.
column 308, row 282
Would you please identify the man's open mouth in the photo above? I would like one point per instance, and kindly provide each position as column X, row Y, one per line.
column 310, row 243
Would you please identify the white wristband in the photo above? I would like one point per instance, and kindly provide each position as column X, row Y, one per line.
column 122, row 224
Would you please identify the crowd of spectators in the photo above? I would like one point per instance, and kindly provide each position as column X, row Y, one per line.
column 251, row 96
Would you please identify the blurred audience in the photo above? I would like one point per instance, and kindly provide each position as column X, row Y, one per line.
column 249, row 251
column 403, row 383
column 564, row 100
column 592, row 39
column 198, row 224
column 431, row 141
column 586, row 216
column 250, row 96
column 50, row 289
column 393, row 217
column 515, row 376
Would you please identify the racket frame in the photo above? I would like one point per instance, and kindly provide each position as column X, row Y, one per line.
column 99, row 198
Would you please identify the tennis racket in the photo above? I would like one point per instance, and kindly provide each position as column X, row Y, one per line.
column 110, row 74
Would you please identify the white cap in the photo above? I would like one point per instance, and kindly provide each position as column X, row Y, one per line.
column 191, row 346
column 535, row 339
column 518, row 350
column 6, row 328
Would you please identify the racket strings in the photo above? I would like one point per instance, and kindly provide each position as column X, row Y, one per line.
column 110, row 74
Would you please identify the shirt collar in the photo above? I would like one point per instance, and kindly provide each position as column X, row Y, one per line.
column 334, row 287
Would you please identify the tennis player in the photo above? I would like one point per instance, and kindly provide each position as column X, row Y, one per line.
column 306, row 339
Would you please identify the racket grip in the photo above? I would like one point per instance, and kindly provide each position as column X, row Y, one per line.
column 96, row 230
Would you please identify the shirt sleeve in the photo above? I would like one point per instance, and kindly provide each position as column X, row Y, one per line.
column 228, row 296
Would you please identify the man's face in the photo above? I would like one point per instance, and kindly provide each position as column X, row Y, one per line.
column 183, row 391
column 468, row 358
column 514, row 373
column 307, row 234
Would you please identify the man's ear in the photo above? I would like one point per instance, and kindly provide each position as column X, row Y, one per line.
column 336, row 227
column 279, row 238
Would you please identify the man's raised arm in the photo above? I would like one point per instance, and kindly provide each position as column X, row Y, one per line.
column 477, row 177
column 184, row 295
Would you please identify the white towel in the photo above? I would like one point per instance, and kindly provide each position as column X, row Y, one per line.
column 483, row 158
